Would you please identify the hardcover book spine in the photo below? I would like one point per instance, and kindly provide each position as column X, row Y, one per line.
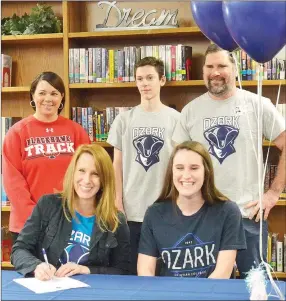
column 71, row 66
column 173, row 63
column 76, row 65
column 90, row 123
column 82, row 65
column 90, row 64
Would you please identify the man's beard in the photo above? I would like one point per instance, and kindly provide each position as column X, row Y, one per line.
column 217, row 90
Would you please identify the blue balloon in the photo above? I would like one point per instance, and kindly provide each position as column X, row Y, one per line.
column 258, row 27
column 209, row 18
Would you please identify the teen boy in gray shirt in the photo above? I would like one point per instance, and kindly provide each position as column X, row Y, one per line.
column 142, row 146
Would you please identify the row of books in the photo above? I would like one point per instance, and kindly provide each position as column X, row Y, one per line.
column 6, row 72
column 6, row 123
column 281, row 107
column 6, row 243
column 276, row 252
column 97, row 123
column 4, row 198
column 101, row 65
column 270, row 173
column 249, row 69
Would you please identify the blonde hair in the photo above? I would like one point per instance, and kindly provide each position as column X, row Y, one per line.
column 105, row 209
column 209, row 191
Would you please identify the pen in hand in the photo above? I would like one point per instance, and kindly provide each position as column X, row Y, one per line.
column 46, row 257
column 61, row 262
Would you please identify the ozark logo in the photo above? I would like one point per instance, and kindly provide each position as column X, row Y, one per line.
column 221, row 140
column 148, row 148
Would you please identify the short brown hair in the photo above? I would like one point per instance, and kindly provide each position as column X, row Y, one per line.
column 105, row 209
column 209, row 192
column 54, row 80
column 152, row 61
column 213, row 48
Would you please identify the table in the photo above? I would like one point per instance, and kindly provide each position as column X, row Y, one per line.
column 113, row 287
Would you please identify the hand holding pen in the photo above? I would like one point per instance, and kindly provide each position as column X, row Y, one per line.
column 44, row 271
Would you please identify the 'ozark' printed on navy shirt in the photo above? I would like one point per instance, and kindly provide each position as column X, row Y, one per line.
column 78, row 247
column 189, row 245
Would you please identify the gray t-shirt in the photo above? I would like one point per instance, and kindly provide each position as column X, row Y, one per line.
column 145, row 141
column 229, row 130
column 189, row 245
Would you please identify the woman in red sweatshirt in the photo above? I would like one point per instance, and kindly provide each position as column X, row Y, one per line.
column 38, row 149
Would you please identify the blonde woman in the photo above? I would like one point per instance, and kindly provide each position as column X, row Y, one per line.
column 194, row 228
column 79, row 230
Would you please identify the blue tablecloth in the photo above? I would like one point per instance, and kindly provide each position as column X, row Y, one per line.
column 110, row 287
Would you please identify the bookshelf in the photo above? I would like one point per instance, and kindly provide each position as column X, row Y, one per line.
column 30, row 39
column 6, row 208
column 7, row 264
column 278, row 275
column 33, row 54
column 187, row 83
column 15, row 89
column 135, row 34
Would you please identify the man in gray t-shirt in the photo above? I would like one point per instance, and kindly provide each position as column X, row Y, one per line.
column 225, row 120
column 142, row 146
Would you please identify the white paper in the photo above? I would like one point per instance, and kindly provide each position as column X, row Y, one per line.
column 53, row 285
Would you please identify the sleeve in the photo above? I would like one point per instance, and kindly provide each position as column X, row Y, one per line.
column 233, row 237
column 24, row 249
column 181, row 132
column 116, row 132
column 272, row 118
column 81, row 137
column 147, row 244
column 15, row 184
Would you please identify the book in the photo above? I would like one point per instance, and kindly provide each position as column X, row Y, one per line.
column 6, row 62
column 279, row 256
column 273, row 261
column 284, row 253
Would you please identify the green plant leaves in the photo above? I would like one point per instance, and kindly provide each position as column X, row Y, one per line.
column 41, row 20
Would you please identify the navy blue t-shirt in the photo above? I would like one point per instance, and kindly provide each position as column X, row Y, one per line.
column 78, row 249
column 189, row 245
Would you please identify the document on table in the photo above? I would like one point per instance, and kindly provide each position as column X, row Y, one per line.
column 53, row 285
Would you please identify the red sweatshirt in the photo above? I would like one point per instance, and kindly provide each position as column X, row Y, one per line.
column 35, row 158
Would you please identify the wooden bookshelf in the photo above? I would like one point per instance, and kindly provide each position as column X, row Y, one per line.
column 250, row 83
column 103, row 144
column 6, row 264
column 267, row 143
column 102, row 85
column 15, row 89
column 187, row 83
column 278, row 275
column 31, row 39
column 281, row 203
column 138, row 33
column 5, row 208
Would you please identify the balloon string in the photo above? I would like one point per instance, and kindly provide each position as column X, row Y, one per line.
column 234, row 55
column 261, row 181
column 245, row 105
column 271, row 134
column 259, row 152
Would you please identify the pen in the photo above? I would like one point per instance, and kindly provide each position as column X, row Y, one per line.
column 45, row 257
